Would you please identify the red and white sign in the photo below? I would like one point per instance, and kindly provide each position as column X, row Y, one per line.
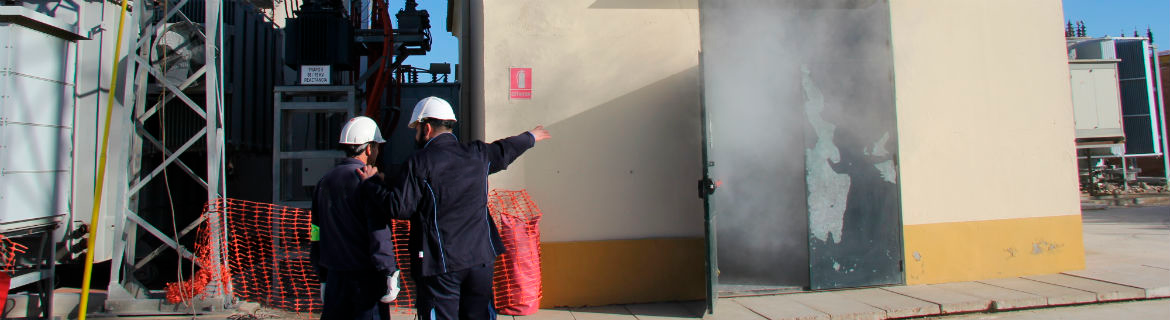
column 521, row 87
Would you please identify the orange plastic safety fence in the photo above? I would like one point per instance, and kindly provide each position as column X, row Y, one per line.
column 517, row 283
column 404, row 304
column 211, row 274
column 8, row 252
column 267, row 255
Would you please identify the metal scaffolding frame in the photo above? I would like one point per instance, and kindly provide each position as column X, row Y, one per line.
column 126, row 295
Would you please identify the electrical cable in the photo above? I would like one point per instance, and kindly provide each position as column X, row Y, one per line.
column 166, row 176
column 373, row 106
column 162, row 116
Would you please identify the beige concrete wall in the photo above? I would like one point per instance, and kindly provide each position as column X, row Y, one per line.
column 616, row 83
column 985, row 118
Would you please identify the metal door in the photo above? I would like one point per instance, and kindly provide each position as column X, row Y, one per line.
column 706, row 188
column 753, row 148
column 854, row 208
column 800, row 143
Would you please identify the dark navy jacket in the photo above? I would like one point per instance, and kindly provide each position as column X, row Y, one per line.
column 351, row 239
column 443, row 190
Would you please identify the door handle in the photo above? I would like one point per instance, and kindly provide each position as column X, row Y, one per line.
column 706, row 187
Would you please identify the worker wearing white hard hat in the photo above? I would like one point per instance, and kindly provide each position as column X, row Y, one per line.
column 443, row 190
column 360, row 130
column 354, row 254
column 431, row 108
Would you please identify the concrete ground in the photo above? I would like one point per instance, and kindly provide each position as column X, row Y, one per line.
column 1127, row 276
column 1146, row 309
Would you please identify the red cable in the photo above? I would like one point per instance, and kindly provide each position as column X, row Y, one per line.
column 372, row 106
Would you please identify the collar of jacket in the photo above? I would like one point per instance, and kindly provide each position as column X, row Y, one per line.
column 442, row 138
column 350, row 161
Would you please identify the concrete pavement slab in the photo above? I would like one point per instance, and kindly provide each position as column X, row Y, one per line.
column 615, row 312
column 1146, row 309
column 1001, row 298
column 728, row 309
column 839, row 307
column 781, row 307
column 895, row 305
column 1105, row 291
column 542, row 314
column 669, row 310
column 1155, row 281
column 948, row 301
column 1054, row 294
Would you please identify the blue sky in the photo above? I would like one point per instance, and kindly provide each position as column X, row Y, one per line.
column 1112, row 17
column 444, row 48
column 1102, row 17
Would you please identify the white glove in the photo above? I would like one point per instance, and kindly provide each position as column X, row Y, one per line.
column 391, row 288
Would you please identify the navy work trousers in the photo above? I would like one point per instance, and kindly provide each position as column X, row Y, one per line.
column 463, row 295
column 355, row 295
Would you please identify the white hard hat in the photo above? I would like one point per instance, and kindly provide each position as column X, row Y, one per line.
column 431, row 107
column 360, row 130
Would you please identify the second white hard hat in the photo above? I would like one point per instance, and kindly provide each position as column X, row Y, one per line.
column 360, row 130
column 431, row 107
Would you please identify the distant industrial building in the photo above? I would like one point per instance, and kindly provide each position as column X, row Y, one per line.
column 1120, row 113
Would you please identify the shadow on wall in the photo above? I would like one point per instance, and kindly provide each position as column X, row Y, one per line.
column 644, row 4
column 693, row 4
column 625, row 169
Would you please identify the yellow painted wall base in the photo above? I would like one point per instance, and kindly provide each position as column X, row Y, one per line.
column 966, row 251
column 622, row 271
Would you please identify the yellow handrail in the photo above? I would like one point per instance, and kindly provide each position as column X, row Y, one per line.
column 101, row 176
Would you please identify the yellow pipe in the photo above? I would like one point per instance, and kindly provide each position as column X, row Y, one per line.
column 101, row 177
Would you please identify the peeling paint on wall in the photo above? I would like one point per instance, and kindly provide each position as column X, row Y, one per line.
column 1042, row 246
column 917, row 268
column 827, row 189
column 879, row 147
column 888, row 171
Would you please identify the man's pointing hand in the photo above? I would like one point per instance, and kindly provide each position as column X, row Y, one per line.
column 540, row 133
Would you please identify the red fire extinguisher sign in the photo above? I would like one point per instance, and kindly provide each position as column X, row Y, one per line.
column 521, row 87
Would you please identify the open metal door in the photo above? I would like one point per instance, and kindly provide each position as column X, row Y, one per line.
column 706, row 189
column 800, row 141
column 753, row 149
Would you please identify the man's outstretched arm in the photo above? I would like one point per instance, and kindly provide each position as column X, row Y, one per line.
column 503, row 152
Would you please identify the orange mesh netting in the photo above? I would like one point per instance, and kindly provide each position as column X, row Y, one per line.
column 405, row 301
column 517, row 280
column 268, row 251
column 267, row 255
column 8, row 252
column 211, row 274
